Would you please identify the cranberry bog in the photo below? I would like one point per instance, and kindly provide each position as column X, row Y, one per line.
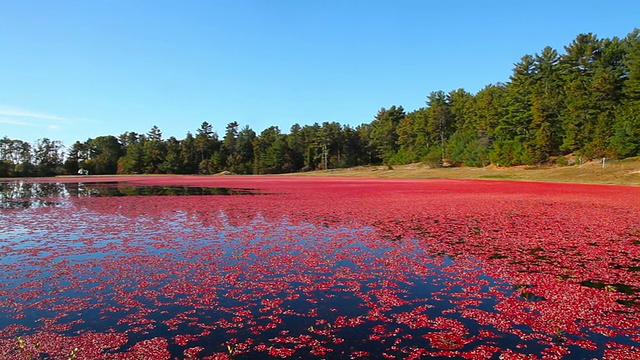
column 317, row 268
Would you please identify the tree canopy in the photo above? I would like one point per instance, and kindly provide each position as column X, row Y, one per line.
column 584, row 101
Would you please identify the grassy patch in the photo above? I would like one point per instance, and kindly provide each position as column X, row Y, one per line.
column 496, row 176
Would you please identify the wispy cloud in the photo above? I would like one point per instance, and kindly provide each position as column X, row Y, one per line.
column 4, row 120
column 32, row 124
column 10, row 112
column 34, row 120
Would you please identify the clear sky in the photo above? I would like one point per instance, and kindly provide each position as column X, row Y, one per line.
column 73, row 70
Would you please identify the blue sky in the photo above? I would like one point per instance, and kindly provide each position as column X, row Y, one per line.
column 73, row 70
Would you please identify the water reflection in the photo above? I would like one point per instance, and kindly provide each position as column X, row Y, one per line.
column 26, row 195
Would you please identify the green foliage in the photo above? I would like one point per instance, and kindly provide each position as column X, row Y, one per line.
column 403, row 157
column 384, row 135
column 6, row 168
column 189, row 159
column 506, row 153
column 433, row 158
column 626, row 133
column 413, row 137
column 171, row 164
column 102, row 153
column 132, row 161
column 477, row 154
column 465, row 148
column 585, row 101
column 270, row 150
column 48, row 157
column 562, row 161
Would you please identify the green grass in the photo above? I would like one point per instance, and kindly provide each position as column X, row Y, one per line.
column 496, row 176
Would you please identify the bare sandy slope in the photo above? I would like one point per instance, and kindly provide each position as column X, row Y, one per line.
column 624, row 172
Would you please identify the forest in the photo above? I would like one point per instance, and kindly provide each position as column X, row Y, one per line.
column 584, row 102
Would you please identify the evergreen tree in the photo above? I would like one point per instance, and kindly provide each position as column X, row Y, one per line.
column 297, row 143
column 229, row 158
column 383, row 135
column 244, row 151
column 104, row 152
column 189, row 156
column 440, row 125
column 76, row 156
column 154, row 151
column 490, row 107
column 585, row 101
column 269, row 149
column 517, row 121
column 208, row 146
column 546, row 107
column 172, row 162
column 48, row 157
column 580, row 114
column 413, row 137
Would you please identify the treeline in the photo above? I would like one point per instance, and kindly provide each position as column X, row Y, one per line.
column 584, row 102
